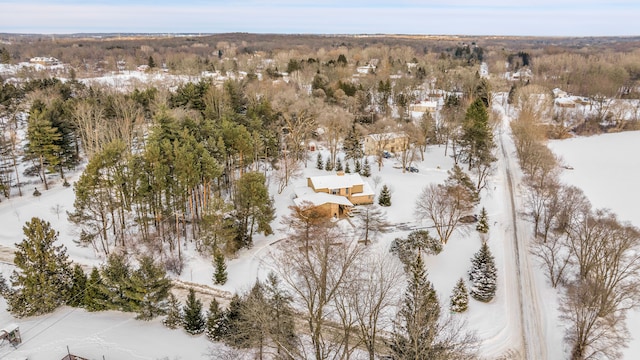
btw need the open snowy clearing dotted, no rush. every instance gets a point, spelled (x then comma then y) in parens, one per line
(606, 168)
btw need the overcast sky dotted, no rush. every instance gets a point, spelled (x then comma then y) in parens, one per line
(455, 17)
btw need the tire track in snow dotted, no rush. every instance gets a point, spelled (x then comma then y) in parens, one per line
(533, 339)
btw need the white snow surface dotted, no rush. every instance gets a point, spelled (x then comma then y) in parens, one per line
(604, 167)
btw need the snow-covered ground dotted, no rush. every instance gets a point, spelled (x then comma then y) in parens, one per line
(113, 334)
(606, 167)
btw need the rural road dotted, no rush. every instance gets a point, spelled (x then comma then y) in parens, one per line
(532, 334)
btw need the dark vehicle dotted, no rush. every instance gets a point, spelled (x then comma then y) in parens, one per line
(412, 169)
(386, 154)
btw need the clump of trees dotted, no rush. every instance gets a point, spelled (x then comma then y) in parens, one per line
(587, 253)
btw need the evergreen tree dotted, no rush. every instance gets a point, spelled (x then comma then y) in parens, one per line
(483, 222)
(339, 165)
(149, 289)
(415, 330)
(174, 313)
(358, 167)
(215, 318)
(385, 196)
(459, 301)
(347, 168)
(220, 274)
(43, 277)
(254, 207)
(151, 62)
(281, 312)
(319, 162)
(366, 168)
(483, 275)
(193, 319)
(229, 325)
(352, 144)
(94, 298)
(43, 140)
(418, 242)
(477, 136)
(457, 177)
(78, 287)
(116, 286)
(328, 165)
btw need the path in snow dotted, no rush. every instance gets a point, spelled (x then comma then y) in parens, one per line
(531, 327)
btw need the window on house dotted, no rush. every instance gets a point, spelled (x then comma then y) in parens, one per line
(335, 191)
(347, 191)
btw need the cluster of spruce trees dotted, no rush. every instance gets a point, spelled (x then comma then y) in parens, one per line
(262, 318)
(46, 279)
(362, 167)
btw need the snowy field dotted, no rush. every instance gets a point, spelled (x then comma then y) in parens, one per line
(607, 167)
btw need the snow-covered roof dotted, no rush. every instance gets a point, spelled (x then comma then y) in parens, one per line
(385, 136)
(336, 181)
(307, 195)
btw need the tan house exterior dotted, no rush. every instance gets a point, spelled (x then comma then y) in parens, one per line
(391, 142)
(334, 195)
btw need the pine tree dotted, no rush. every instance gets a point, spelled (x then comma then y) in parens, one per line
(214, 321)
(329, 164)
(347, 168)
(94, 299)
(358, 167)
(339, 165)
(149, 289)
(352, 144)
(78, 287)
(116, 286)
(319, 162)
(483, 222)
(385, 196)
(174, 313)
(151, 62)
(415, 330)
(483, 275)
(457, 177)
(281, 312)
(459, 301)
(43, 140)
(43, 276)
(220, 274)
(229, 325)
(193, 319)
(366, 168)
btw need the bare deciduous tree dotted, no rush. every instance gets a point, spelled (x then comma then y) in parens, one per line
(315, 276)
(444, 206)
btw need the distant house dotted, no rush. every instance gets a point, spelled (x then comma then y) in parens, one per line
(334, 195)
(375, 144)
(565, 102)
(424, 106)
(367, 69)
(44, 61)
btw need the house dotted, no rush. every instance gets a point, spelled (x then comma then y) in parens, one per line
(424, 106)
(44, 61)
(367, 69)
(375, 144)
(334, 195)
(565, 102)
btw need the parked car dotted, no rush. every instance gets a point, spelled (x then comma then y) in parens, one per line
(412, 169)
(386, 154)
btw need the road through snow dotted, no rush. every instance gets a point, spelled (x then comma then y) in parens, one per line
(533, 344)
